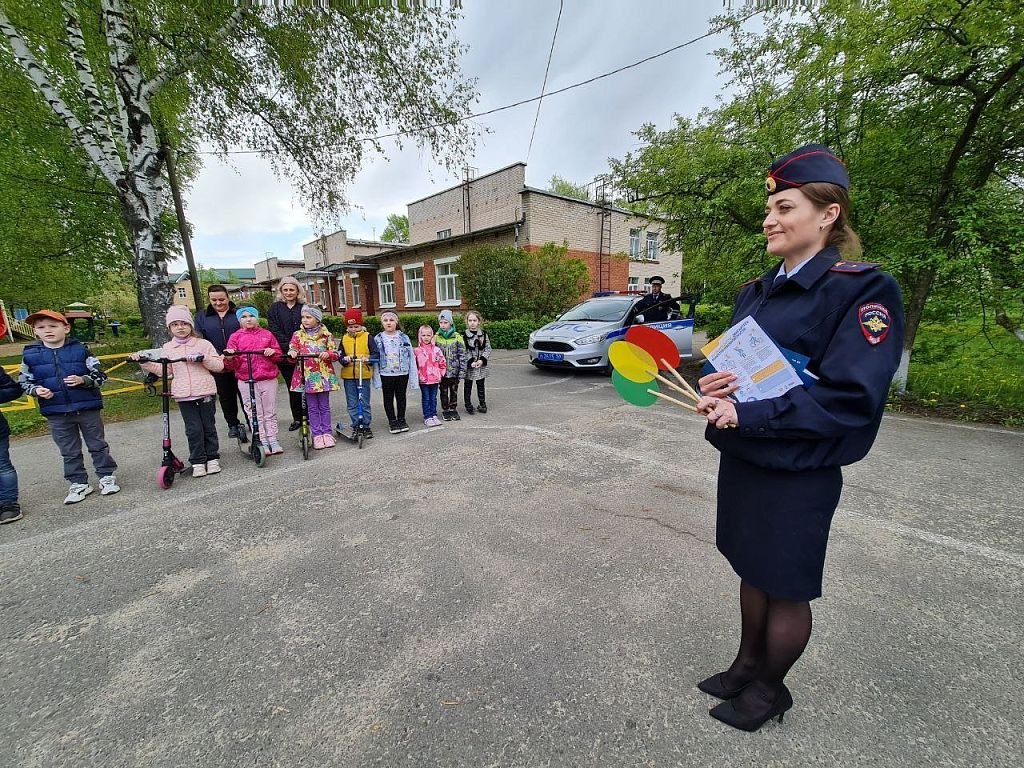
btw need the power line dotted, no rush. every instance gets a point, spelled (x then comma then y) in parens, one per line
(544, 85)
(513, 105)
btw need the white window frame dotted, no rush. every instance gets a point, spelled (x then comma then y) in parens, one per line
(407, 280)
(444, 234)
(633, 283)
(647, 285)
(389, 272)
(651, 253)
(182, 293)
(634, 244)
(357, 298)
(437, 283)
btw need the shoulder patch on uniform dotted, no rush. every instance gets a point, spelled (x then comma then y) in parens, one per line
(875, 321)
(854, 266)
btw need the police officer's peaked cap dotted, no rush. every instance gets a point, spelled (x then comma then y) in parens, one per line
(809, 163)
(657, 279)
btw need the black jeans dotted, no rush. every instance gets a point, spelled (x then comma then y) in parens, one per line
(449, 394)
(228, 395)
(393, 389)
(200, 429)
(294, 398)
(467, 390)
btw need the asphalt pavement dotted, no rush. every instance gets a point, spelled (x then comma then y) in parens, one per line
(537, 586)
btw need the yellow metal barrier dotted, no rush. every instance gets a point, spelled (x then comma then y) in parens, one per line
(27, 403)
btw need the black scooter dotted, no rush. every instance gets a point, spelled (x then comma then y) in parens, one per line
(305, 436)
(254, 449)
(170, 465)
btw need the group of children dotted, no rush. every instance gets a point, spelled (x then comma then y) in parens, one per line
(65, 378)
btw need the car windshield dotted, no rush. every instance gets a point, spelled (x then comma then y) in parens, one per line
(603, 311)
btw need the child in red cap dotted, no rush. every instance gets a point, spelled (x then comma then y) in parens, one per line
(357, 347)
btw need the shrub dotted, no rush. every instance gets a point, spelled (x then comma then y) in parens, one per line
(511, 334)
(713, 319)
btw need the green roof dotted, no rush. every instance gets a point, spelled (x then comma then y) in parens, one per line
(223, 275)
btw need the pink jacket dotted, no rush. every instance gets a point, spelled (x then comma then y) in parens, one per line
(191, 381)
(253, 340)
(430, 363)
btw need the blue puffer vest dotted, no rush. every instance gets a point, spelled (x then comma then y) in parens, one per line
(49, 367)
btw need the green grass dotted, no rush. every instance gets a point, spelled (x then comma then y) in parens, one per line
(966, 371)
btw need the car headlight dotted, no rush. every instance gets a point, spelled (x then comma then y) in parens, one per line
(589, 340)
(532, 335)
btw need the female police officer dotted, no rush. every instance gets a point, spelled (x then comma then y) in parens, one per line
(779, 478)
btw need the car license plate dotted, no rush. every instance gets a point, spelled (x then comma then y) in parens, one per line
(551, 357)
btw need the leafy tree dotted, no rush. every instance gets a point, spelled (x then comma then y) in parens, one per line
(308, 89)
(561, 186)
(506, 282)
(491, 279)
(923, 100)
(397, 230)
(60, 230)
(262, 301)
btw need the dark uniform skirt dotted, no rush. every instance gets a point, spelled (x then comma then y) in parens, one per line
(773, 525)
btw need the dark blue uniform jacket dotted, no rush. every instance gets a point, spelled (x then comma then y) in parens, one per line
(831, 316)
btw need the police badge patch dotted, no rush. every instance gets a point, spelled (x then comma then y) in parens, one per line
(875, 321)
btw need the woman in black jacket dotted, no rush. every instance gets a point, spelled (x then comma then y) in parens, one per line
(284, 318)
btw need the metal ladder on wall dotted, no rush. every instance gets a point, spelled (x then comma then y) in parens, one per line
(604, 254)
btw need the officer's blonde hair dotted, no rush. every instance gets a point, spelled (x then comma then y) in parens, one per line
(842, 236)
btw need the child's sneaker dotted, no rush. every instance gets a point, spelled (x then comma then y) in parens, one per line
(455, 416)
(446, 415)
(77, 492)
(469, 409)
(198, 470)
(318, 442)
(329, 441)
(274, 448)
(393, 427)
(108, 485)
(403, 426)
(213, 466)
(367, 433)
(435, 422)
(10, 512)
(482, 408)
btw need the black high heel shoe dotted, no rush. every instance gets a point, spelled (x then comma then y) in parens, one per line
(726, 712)
(713, 686)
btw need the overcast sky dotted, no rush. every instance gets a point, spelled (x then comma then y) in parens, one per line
(240, 211)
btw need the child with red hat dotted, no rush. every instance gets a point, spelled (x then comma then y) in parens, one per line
(357, 347)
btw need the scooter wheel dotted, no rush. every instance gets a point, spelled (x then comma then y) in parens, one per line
(165, 477)
(259, 454)
(361, 437)
(305, 446)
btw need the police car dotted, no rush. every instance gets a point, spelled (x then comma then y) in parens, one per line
(579, 338)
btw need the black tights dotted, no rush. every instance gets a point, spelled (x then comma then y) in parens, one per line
(773, 635)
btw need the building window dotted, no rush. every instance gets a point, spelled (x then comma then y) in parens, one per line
(386, 281)
(652, 246)
(634, 243)
(444, 234)
(447, 283)
(647, 285)
(182, 293)
(356, 300)
(633, 284)
(413, 286)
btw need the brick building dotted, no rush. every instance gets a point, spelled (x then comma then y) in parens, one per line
(622, 250)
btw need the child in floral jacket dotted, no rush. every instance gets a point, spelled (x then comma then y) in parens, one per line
(320, 380)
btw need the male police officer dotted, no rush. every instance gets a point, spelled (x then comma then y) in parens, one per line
(656, 305)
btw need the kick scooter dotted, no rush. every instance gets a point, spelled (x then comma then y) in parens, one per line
(305, 437)
(358, 433)
(255, 450)
(170, 465)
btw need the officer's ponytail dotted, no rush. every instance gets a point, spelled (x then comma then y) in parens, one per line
(841, 235)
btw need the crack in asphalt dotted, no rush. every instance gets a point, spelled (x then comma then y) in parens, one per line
(663, 524)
